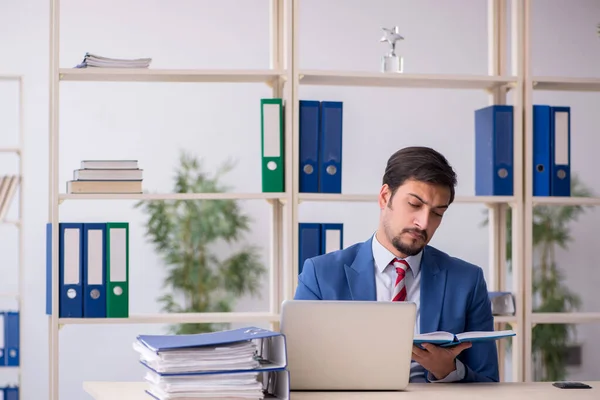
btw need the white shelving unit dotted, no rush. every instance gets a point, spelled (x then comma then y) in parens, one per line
(285, 78)
(533, 83)
(18, 222)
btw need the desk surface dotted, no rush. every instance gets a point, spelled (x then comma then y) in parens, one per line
(424, 391)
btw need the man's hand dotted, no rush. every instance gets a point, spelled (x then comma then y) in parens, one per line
(438, 360)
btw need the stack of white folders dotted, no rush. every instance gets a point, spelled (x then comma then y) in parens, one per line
(246, 363)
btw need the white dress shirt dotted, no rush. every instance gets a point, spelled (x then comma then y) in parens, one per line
(385, 280)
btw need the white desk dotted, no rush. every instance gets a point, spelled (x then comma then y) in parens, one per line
(424, 391)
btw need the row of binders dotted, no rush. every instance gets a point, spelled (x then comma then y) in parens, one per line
(106, 176)
(93, 269)
(245, 363)
(10, 339)
(315, 239)
(320, 137)
(494, 139)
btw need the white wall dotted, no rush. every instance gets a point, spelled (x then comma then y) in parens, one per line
(152, 122)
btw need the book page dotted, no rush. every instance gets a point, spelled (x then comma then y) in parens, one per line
(434, 336)
(466, 336)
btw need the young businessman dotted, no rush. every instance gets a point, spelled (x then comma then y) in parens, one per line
(398, 264)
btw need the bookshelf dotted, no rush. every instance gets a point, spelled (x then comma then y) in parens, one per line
(537, 83)
(7, 202)
(285, 78)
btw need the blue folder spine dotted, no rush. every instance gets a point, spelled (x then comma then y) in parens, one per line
(330, 160)
(94, 270)
(309, 119)
(561, 151)
(541, 150)
(494, 151)
(12, 338)
(309, 242)
(71, 259)
(49, 268)
(332, 237)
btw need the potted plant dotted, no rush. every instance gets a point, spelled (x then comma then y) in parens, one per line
(550, 230)
(186, 232)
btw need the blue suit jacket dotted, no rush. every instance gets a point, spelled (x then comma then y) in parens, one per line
(454, 296)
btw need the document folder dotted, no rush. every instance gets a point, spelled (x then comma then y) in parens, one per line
(330, 147)
(332, 237)
(12, 338)
(494, 151)
(541, 150)
(309, 118)
(117, 297)
(70, 269)
(269, 385)
(561, 155)
(309, 242)
(272, 141)
(94, 270)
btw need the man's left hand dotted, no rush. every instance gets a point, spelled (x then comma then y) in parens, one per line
(439, 361)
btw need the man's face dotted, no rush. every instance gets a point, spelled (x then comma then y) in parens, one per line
(410, 218)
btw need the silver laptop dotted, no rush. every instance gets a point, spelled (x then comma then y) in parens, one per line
(348, 345)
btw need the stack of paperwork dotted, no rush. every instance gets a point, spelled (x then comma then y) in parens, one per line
(246, 363)
(94, 60)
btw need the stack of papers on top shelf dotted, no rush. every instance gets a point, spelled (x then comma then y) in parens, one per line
(246, 363)
(94, 60)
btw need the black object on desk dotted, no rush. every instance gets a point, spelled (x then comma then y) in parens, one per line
(571, 385)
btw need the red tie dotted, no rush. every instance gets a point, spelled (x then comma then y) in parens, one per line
(399, 293)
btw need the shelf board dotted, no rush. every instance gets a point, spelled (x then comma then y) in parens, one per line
(171, 196)
(380, 79)
(177, 318)
(5, 77)
(372, 198)
(167, 75)
(566, 318)
(507, 319)
(10, 150)
(566, 84)
(566, 201)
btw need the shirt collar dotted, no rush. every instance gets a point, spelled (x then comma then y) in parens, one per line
(383, 257)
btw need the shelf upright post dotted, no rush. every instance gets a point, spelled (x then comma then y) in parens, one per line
(524, 9)
(53, 192)
(293, 72)
(521, 167)
(277, 62)
(497, 212)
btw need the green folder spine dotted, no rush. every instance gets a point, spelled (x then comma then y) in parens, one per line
(272, 144)
(117, 273)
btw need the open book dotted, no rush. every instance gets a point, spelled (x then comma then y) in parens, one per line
(449, 339)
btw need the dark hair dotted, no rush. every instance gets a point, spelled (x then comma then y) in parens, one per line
(422, 164)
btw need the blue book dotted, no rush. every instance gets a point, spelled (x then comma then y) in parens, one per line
(447, 339)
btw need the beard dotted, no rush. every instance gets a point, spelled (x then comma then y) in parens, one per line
(408, 246)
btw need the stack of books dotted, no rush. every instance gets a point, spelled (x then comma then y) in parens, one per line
(106, 176)
(93, 60)
(246, 363)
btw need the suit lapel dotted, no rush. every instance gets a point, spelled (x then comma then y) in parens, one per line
(361, 274)
(433, 286)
